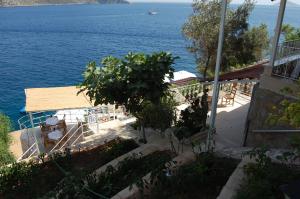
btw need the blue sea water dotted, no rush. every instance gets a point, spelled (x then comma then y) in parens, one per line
(50, 45)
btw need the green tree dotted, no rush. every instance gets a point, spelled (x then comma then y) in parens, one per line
(290, 33)
(5, 127)
(240, 44)
(287, 112)
(159, 116)
(131, 81)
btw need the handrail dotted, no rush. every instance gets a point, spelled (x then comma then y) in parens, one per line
(221, 82)
(62, 138)
(276, 131)
(35, 150)
(81, 126)
(79, 137)
(36, 120)
(22, 156)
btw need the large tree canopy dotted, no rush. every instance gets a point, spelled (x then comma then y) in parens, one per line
(290, 32)
(132, 81)
(241, 44)
(129, 81)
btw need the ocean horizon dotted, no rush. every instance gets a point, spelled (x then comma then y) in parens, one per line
(50, 45)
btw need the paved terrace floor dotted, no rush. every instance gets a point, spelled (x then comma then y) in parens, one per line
(230, 123)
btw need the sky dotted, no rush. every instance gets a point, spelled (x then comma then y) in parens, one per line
(263, 2)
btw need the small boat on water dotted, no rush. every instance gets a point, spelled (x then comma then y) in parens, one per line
(152, 13)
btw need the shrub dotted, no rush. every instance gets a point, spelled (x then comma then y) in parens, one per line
(5, 127)
(203, 178)
(193, 118)
(33, 180)
(264, 177)
(159, 116)
(128, 172)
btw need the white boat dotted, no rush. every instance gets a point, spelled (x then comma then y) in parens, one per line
(152, 13)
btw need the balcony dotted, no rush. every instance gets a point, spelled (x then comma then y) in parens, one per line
(287, 62)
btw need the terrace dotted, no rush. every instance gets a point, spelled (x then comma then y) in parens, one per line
(94, 125)
(138, 162)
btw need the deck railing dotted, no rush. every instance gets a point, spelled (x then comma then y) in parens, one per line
(288, 48)
(185, 93)
(78, 130)
(40, 117)
(287, 61)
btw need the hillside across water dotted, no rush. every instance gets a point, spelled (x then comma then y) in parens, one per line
(8, 3)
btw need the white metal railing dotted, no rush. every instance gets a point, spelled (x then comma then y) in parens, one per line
(40, 117)
(287, 51)
(30, 149)
(70, 130)
(69, 116)
(287, 60)
(73, 134)
(186, 92)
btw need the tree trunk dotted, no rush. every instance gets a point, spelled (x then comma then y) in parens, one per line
(205, 68)
(144, 139)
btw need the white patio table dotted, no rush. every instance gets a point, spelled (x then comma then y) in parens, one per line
(55, 135)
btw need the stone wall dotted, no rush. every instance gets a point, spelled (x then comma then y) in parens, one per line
(262, 103)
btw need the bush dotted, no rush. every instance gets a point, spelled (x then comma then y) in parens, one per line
(5, 127)
(128, 172)
(264, 177)
(33, 180)
(158, 116)
(203, 178)
(193, 118)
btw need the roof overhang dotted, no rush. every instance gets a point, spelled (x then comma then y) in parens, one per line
(55, 98)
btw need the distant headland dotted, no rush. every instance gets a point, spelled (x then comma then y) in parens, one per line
(11, 3)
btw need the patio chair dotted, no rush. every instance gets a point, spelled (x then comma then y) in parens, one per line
(229, 97)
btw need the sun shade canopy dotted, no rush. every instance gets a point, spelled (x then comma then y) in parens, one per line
(55, 98)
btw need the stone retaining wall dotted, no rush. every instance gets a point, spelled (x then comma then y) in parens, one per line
(262, 103)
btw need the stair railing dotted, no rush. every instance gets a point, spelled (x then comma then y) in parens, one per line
(57, 144)
(27, 151)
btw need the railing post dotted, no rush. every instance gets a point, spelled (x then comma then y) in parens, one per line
(114, 111)
(34, 133)
(97, 122)
(81, 128)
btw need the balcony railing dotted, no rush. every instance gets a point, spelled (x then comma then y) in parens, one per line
(287, 49)
(287, 62)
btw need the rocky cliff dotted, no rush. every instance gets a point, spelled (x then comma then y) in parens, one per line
(7, 3)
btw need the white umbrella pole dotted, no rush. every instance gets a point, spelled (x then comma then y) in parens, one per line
(277, 31)
(216, 78)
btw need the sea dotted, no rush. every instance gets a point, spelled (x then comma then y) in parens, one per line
(45, 46)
